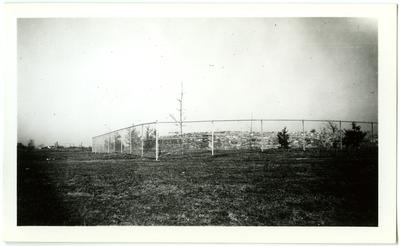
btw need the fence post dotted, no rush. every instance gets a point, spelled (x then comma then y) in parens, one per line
(304, 136)
(115, 144)
(261, 135)
(340, 135)
(212, 138)
(120, 139)
(142, 140)
(130, 140)
(372, 132)
(108, 145)
(156, 140)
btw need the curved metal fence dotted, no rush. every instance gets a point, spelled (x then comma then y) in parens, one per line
(163, 138)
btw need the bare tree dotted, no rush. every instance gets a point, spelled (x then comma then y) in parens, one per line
(149, 138)
(329, 136)
(180, 122)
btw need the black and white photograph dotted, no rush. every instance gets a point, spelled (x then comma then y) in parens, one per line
(198, 121)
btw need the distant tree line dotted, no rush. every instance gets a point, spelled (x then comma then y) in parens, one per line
(31, 146)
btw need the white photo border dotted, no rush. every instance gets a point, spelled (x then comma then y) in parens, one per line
(385, 232)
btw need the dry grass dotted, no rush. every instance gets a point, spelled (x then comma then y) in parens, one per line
(233, 188)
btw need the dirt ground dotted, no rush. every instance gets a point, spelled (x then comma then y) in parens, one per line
(238, 188)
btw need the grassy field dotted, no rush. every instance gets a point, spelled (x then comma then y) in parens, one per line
(274, 187)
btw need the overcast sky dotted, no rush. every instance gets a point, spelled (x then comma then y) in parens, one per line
(82, 77)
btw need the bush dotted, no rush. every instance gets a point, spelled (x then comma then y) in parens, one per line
(353, 137)
(204, 141)
(283, 138)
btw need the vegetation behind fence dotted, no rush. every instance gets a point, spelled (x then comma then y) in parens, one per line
(155, 139)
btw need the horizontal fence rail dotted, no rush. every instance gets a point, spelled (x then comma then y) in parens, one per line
(158, 138)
